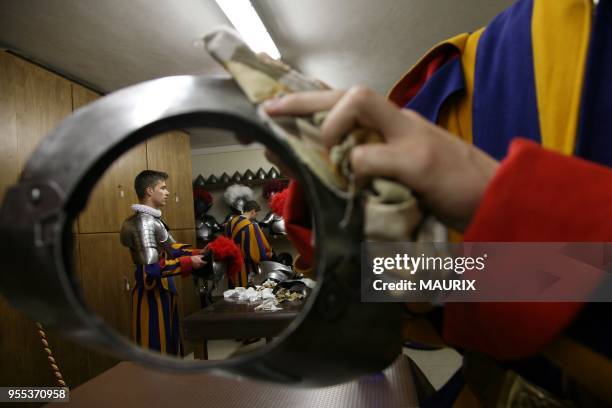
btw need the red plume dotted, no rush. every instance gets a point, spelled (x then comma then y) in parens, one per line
(278, 202)
(200, 194)
(225, 250)
(274, 187)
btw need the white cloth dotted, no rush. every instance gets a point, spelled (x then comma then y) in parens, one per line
(269, 304)
(250, 294)
(146, 209)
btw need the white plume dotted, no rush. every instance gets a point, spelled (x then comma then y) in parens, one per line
(236, 191)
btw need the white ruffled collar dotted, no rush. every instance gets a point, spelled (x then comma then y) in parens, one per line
(147, 210)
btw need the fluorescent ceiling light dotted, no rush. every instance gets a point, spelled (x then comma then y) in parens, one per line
(244, 18)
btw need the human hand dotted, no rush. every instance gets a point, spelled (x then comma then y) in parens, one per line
(449, 175)
(197, 262)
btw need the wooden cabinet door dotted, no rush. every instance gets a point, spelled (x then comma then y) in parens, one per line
(107, 278)
(171, 153)
(82, 96)
(106, 267)
(109, 202)
(32, 102)
(9, 96)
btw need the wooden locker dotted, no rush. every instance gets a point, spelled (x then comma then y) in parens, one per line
(82, 96)
(72, 358)
(43, 101)
(32, 102)
(171, 153)
(107, 279)
(109, 202)
(10, 76)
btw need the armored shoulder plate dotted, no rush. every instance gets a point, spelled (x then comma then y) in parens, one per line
(146, 236)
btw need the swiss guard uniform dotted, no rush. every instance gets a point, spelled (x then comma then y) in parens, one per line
(541, 71)
(252, 242)
(158, 258)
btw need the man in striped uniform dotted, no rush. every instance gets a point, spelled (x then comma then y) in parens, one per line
(251, 240)
(157, 258)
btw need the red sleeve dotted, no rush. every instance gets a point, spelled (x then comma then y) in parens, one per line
(298, 219)
(536, 195)
(186, 265)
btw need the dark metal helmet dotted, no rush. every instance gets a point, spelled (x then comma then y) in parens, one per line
(238, 205)
(275, 224)
(207, 227)
(200, 208)
(285, 258)
(274, 271)
(213, 270)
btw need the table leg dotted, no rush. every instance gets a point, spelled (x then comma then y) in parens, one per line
(200, 351)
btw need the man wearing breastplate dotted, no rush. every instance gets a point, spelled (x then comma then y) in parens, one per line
(157, 257)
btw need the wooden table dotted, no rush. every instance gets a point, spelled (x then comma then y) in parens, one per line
(131, 385)
(230, 319)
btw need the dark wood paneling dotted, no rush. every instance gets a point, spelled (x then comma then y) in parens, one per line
(105, 265)
(170, 152)
(32, 102)
(9, 77)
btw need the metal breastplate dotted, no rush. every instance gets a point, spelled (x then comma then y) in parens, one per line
(146, 236)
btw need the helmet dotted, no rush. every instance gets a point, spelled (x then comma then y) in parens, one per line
(207, 227)
(236, 196)
(275, 224)
(214, 270)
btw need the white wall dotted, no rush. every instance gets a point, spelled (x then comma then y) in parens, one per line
(228, 159)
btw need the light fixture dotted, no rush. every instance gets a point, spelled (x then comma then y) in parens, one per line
(245, 19)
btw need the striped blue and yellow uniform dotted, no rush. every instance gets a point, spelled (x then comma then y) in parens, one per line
(541, 70)
(252, 242)
(155, 303)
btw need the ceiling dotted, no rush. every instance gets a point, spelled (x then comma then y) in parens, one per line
(111, 44)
